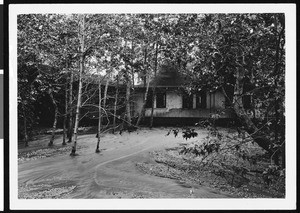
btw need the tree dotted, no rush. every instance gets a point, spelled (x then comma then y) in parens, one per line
(27, 73)
(92, 34)
(240, 54)
(65, 115)
(81, 35)
(100, 117)
(153, 89)
(236, 62)
(115, 104)
(37, 34)
(146, 83)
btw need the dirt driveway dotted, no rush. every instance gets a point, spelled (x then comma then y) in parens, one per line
(109, 174)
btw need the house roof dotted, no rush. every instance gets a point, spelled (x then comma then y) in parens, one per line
(168, 76)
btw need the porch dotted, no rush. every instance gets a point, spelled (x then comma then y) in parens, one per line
(187, 113)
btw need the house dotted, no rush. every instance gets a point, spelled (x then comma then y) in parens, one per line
(172, 103)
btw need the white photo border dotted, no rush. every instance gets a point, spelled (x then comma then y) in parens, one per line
(188, 204)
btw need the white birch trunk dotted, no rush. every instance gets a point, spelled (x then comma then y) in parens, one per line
(81, 70)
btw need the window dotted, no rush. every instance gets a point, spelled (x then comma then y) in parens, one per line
(187, 101)
(201, 100)
(160, 100)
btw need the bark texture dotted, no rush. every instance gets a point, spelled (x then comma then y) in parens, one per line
(99, 119)
(128, 88)
(115, 105)
(55, 119)
(81, 70)
(70, 127)
(240, 111)
(146, 83)
(143, 110)
(153, 90)
(65, 115)
(25, 126)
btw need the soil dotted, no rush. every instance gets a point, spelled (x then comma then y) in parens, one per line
(141, 164)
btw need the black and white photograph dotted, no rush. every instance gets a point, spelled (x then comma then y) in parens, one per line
(151, 106)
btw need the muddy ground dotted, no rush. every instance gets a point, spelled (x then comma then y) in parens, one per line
(141, 164)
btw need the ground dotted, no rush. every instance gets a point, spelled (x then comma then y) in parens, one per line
(141, 164)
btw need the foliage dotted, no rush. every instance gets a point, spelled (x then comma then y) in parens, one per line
(242, 55)
(255, 43)
(42, 153)
(273, 173)
(232, 151)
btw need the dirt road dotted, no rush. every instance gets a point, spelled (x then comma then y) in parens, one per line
(109, 174)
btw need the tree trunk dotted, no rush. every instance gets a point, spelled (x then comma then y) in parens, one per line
(153, 94)
(276, 102)
(70, 128)
(77, 114)
(132, 69)
(25, 126)
(115, 105)
(239, 109)
(55, 119)
(132, 81)
(127, 97)
(128, 87)
(81, 70)
(152, 107)
(66, 113)
(255, 133)
(105, 95)
(282, 141)
(142, 113)
(99, 119)
(283, 156)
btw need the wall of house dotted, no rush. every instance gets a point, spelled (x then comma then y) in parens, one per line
(174, 100)
(219, 100)
(138, 103)
(174, 106)
(215, 100)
